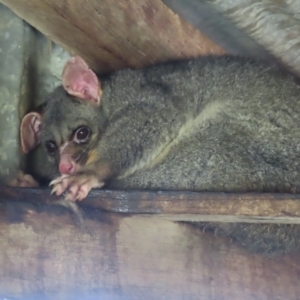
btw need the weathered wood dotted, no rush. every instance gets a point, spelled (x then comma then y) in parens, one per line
(113, 34)
(44, 255)
(180, 206)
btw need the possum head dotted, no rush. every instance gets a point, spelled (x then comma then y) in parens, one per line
(72, 120)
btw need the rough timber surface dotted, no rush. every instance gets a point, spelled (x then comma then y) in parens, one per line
(44, 254)
(113, 34)
(180, 206)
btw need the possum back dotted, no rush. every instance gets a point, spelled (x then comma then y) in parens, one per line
(241, 135)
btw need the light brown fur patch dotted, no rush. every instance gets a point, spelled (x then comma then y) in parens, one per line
(92, 157)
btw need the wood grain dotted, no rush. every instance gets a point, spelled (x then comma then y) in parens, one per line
(179, 206)
(113, 34)
(44, 255)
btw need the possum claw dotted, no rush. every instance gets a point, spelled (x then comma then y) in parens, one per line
(60, 184)
(78, 185)
(55, 190)
(58, 180)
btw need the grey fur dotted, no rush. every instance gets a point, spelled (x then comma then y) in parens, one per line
(211, 124)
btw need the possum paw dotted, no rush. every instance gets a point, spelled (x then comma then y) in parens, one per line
(23, 180)
(78, 186)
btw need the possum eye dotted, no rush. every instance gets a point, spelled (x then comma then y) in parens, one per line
(51, 147)
(81, 135)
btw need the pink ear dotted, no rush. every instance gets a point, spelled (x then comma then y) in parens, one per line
(30, 130)
(80, 81)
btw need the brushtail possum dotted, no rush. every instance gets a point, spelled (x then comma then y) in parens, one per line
(219, 124)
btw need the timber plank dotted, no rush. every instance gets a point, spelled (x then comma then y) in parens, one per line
(113, 34)
(179, 206)
(44, 255)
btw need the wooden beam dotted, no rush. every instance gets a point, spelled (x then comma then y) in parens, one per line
(179, 206)
(113, 34)
(44, 255)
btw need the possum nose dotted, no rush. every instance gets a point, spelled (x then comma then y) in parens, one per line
(66, 168)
